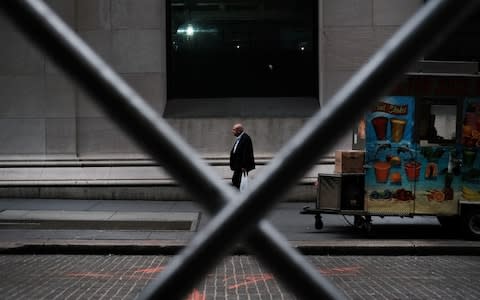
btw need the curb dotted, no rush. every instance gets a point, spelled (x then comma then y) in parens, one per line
(81, 247)
(172, 247)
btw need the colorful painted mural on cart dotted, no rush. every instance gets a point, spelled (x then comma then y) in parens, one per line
(391, 156)
(470, 146)
(405, 176)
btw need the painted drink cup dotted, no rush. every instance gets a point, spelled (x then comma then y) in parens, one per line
(469, 156)
(412, 169)
(398, 128)
(382, 169)
(380, 126)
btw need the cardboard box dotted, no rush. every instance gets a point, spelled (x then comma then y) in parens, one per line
(349, 161)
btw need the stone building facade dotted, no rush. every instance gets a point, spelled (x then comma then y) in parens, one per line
(55, 142)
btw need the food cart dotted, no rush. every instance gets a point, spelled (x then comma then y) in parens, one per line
(421, 156)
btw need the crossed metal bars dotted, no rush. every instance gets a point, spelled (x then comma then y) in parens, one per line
(238, 216)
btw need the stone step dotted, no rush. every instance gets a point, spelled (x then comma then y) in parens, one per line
(98, 220)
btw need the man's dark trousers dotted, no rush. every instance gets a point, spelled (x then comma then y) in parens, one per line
(237, 178)
(242, 158)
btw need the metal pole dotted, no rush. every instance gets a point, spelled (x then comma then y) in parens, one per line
(148, 129)
(424, 30)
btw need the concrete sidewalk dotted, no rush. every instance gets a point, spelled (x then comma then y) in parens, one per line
(99, 220)
(164, 227)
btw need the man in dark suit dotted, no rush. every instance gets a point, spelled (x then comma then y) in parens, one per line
(241, 155)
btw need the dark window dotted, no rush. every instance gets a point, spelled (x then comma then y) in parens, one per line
(437, 120)
(246, 48)
(462, 45)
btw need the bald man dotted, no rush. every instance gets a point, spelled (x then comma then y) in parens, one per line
(241, 155)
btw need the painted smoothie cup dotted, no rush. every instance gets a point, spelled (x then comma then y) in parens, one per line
(412, 169)
(382, 169)
(398, 128)
(469, 156)
(380, 126)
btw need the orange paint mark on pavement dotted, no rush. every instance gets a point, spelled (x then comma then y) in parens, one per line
(150, 270)
(90, 274)
(136, 274)
(197, 295)
(249, 279)
(341, 271)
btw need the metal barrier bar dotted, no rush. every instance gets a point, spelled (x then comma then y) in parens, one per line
(237, 211)
(424, 30)
(158, 139)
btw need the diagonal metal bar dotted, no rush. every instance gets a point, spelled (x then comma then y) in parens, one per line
(424, 30)
(156, 137)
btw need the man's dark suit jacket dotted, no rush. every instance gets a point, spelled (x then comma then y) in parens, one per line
(243, 157)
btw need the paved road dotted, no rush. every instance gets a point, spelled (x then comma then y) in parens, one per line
(238, 277)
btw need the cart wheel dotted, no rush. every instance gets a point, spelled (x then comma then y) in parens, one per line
(368, 224)
(452, 223)
(318, 222)
(358, 222)
(367, 227)
(472, 222)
